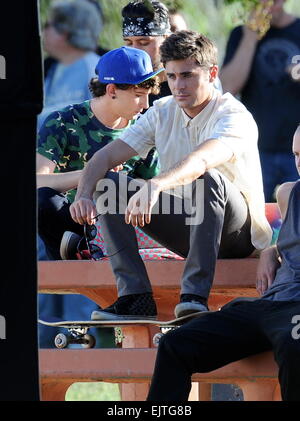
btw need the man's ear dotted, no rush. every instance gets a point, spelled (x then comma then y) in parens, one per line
(111, 90)
(213, 73)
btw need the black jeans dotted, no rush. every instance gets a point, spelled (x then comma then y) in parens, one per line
(224, 232)
(238, 330)
(54, 219)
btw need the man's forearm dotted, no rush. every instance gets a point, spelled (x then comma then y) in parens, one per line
(95, 170)
(208, 155)
(235, 74)
(61, 182)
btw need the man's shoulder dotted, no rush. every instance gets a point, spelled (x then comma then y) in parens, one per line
(84, 68)
(69, 114)
(227, 102)
(91, 58)
(164, 103)
(284, 190)
(162, 108)
(232, 111)
(283, 195)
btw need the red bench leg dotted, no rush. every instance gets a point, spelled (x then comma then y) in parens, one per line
(136, 337)
(54, 391)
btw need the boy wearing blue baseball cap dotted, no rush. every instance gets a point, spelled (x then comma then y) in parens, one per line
(69, 138)
(125, 65)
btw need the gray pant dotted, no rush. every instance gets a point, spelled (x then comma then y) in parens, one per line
(224, 231)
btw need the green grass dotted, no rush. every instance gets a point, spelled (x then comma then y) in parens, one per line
(93, 391)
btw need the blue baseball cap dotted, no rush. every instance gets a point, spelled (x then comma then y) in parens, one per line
(125, 65)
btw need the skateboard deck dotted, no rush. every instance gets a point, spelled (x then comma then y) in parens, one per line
(121, 322)
(78, 329)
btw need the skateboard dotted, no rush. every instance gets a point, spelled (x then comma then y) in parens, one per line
(78, 329)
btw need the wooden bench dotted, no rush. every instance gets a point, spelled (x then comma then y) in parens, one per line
(233, 277)
(255, 375)
(132, 365)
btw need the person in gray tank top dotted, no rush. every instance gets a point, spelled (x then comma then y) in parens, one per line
(244, 327)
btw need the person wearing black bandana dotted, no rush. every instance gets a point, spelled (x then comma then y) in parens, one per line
(145, 26)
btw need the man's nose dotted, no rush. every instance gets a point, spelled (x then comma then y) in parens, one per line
(145, 102)
(179, 83)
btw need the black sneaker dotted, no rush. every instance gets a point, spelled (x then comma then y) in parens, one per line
(190, 303)
(68, 245)
(129, 307)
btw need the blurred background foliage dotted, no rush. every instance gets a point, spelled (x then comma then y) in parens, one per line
(211, 17)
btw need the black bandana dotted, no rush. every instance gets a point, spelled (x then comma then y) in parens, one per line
(134, 27)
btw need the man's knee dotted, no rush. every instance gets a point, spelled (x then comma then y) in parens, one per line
(179, 343)
(213, 179)
(50, 201)
(170, 345)
(44, 195)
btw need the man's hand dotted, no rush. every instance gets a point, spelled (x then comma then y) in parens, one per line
(267, 267)
(140, 205)
(259, 20)
(118, 168)
(83, 211)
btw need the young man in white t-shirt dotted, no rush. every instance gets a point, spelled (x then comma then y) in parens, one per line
(207, 142)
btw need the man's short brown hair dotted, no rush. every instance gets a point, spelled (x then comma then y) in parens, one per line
(99, 89)
(189, 44)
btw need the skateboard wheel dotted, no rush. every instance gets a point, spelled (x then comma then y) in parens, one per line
(89, 341)
(61, 341)
(156, 338)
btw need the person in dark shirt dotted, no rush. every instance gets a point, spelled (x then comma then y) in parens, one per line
(245, 326)
(262, 72)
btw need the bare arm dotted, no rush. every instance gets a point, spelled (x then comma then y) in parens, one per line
(234, 74)
(46, 177)
(208, 155)
(83, 209)
(269, 260)
(283, 194)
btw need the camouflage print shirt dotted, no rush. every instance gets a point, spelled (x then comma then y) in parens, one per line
(70, 137)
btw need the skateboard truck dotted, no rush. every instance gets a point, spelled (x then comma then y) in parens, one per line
(77, 335)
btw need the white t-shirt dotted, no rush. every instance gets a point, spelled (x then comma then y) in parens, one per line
(166, 126)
